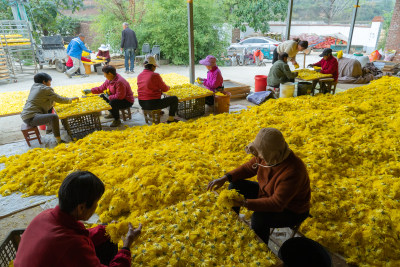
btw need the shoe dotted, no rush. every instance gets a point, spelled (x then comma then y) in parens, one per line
(109, 116)
(69, 76)
(84, 76)
(175, 120)
(115, 123)
(131, 71)
(127, 71)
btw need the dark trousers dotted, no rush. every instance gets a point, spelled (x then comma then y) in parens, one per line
(275, 56)
(261, 222)
(116, 105)
(129, 56)
(170, 101)
(210, 100)
(48, 119)
(106, 252)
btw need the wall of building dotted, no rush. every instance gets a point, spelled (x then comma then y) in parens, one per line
(393, 38)
(366, 36)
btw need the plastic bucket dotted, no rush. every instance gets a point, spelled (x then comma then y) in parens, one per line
(260, 83)
(304, 88)
(42, 127)
(286, 90)
(222, 103)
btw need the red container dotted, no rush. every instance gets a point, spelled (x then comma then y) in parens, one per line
(260, 83)
(42, 127)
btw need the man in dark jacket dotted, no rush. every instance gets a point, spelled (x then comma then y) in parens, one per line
(280, 72)
(128, 45)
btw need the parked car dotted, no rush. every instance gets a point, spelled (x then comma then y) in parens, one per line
(265, 44)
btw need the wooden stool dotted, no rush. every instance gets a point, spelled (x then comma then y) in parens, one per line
(30, 133)
(327, 85)
(126, 114)
(152, 115)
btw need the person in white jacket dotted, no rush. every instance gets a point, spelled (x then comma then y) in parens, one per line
(291, 47)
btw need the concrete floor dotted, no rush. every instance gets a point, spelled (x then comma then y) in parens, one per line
(12, 142)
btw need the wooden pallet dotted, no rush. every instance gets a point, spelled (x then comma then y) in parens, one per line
(237, 90)
(118, 63)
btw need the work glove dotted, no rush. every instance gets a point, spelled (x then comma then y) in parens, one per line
(87, 91)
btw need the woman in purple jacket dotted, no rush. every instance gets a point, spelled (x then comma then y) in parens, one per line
(214, 81)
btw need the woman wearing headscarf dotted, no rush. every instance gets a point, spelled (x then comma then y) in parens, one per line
(281, 197)
(291, 47)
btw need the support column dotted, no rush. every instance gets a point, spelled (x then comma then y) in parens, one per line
(289, 19)
(353, 23)
(191, 40)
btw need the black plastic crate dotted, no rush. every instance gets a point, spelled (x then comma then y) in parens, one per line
(192, 108)
(79, 126)
(8, 248)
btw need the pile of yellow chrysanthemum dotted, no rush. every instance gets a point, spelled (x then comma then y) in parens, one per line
(83, 106)
(13, 102)
(195, 232)
(188, 91)
(306, 74)
(349, 143)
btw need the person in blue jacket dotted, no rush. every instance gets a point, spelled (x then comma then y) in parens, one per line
(74, 50)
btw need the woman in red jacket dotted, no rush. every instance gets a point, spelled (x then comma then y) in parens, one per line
(150, 88)
(281, 197)
(116, 91)
(56, 237)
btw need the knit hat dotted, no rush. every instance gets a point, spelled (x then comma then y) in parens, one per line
(209, 61)
(271, 145)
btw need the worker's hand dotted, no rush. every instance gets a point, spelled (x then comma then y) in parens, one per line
(75, 98)
(122, 49)
(310, 66)
(217, 183)
(237, 203)
(132, 235)
(295, 63)
(87, 91)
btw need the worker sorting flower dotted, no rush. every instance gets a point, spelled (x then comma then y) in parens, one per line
(328, 64)
(116, 91)
(214, 81)
(56, 237)
(38, 109)
(104, 53)
(280, 72)
(291, 47)
(150, 89)
(281, 197)
(70, 64)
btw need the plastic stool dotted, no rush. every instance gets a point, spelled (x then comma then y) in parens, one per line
(126, 114)
(153, 116)
(30, 133)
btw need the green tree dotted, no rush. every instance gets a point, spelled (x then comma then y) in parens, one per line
(256, 13)
(164, 22)
(46, 16)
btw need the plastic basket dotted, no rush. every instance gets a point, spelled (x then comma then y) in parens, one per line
(79, 126)
(192, 108)
(8, 248)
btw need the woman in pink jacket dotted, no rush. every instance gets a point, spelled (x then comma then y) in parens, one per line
(116, 91)
(214, 81)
